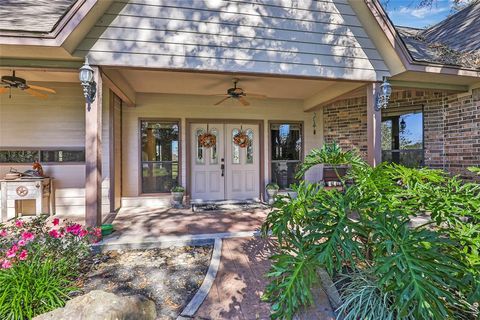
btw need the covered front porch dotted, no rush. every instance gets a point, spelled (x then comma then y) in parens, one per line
(142, 134)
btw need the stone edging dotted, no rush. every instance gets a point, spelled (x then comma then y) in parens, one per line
(197, 300)
(330, 290)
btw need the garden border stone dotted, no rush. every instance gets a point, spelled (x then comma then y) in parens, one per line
(202, 292)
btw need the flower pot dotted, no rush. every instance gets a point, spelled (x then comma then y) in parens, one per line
(329, 173)
(177, 199)
(272, 193)
(106, 229)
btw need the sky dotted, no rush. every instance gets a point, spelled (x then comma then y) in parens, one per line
(407, 13)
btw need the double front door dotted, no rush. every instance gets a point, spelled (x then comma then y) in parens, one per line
(224, 170)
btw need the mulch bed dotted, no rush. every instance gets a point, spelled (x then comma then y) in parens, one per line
(170, 277)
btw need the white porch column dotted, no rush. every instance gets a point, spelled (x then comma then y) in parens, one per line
(93, 156)
(374, 132)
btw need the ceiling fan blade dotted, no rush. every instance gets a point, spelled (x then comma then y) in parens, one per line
(216, 104)
(243, 101)
(36, 93)
(41, 88)
(257, 96)
(218, 95)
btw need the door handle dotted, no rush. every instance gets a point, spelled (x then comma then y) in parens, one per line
(223, 169)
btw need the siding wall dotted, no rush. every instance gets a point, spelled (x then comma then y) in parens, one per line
(321, 38)
(57, 122)
(200, 107)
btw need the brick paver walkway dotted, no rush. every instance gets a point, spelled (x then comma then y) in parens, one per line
(137, 224)
(240, 283)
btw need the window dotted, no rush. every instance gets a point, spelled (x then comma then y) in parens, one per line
(235, 148)
(44, 155)
(402, 137)
(286, 152)
(249, 133)
(213, 149)
(159, 147)
(200, 158)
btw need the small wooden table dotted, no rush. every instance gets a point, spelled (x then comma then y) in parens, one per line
(27, 189)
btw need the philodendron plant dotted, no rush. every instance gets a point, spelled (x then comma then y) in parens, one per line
(331, 155)
(394, 270)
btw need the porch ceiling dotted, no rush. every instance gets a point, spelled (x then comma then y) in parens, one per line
(210, 84)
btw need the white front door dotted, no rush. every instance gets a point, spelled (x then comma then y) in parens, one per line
(242, 164)
(225, 171)
(208, 178)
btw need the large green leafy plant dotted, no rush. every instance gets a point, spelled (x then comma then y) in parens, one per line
(425, 271)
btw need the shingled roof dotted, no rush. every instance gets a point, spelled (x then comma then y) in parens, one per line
(453, 41)
(32, 15)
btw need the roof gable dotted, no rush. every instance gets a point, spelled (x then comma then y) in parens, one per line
(317, 39)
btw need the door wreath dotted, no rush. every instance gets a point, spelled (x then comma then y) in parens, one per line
(241, 139)
(207, 140)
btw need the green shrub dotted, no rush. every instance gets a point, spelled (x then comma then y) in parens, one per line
(178, 189)
(39, 265)
(363, 298)
(431, 271)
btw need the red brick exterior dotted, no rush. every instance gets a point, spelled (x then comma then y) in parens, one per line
(345, 122)
(451, 126)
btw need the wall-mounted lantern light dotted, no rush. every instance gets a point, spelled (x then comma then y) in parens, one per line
(89, 85)
(383, 96)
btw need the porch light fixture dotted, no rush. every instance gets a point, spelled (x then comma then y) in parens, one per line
(89, 85)
(383, 96)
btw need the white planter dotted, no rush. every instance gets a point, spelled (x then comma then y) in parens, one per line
(272, 193)
(177, 199)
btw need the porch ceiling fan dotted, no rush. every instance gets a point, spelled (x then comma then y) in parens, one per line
(238, 94)
(9, 82)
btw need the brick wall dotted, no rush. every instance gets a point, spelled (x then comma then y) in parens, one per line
(346, 123)
(451, 126)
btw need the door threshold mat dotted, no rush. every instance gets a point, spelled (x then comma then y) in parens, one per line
(228, 206)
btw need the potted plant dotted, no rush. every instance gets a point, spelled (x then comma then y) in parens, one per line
(335, 161)
(177, 195)
(272, 190)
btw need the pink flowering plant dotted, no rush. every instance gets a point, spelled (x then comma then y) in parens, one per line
(39, 263)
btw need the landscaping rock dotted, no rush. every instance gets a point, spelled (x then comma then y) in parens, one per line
(101, 305)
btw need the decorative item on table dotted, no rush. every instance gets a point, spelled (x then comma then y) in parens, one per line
(38, 168)
(35, 173)
(207, 140)
(12, 174)
(241, 139)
